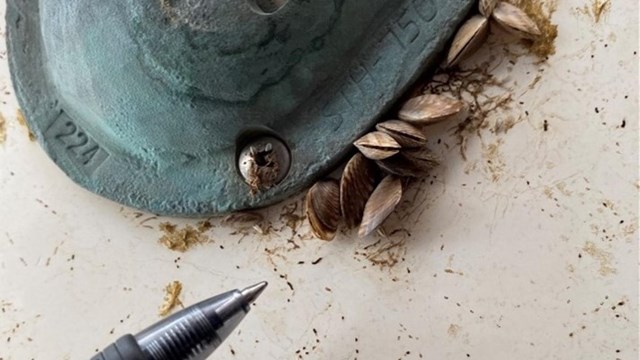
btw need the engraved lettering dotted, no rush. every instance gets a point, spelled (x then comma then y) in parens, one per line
(83, 141)
(79, 147)
(70, 129)
(391, 45)
(363, 79)
(407, 31)
(357, 73)
(332, 112)
(362, 85)
(89, 154)
(426, 9)
(352, 92)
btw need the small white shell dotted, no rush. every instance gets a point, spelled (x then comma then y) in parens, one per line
(468, 39)
(515, 21)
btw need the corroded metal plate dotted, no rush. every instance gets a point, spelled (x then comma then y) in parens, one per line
(145, 101)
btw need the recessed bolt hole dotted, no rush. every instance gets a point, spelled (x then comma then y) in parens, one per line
(263, 157)
(267, 6)
(264, 163)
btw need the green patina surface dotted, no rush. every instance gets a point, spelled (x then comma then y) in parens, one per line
(144, 102)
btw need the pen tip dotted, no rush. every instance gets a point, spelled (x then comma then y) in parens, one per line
(251, 293)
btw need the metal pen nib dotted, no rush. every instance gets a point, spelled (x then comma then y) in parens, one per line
(251, 293)
(192, 333)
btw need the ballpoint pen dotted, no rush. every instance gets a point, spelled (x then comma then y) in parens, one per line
(192, 333)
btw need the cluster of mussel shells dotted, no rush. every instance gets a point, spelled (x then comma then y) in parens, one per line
(373, 181)
(474, 32)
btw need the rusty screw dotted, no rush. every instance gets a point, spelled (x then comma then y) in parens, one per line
(264, 162)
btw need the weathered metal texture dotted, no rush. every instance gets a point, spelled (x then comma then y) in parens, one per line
(146, 102)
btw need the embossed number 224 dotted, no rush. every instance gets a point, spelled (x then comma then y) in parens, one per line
(77, 142)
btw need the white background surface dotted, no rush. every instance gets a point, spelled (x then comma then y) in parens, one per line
(527, 249)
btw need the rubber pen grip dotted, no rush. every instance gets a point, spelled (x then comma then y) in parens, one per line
(125, 348)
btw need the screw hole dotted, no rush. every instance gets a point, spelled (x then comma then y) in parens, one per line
(263, 161)
(262, 157)
(266, 7)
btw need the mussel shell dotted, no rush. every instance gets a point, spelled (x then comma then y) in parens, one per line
(429, 109)
(377, 145)
(486, 7)
(358, 181)
(381, 204)
(468, 39)
(323, 208)
(515, 21)
(407, 135)
(414, 164)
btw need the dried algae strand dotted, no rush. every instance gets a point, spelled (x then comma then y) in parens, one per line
(182, 239)
(292, 216)
(599, 8)
(482, 91)
(171, 298)
(385, 253)
(204, 226)
(3, 130)
(596, 10)
(23, 121)
(243, 217)
(247, 223)
(540, 12)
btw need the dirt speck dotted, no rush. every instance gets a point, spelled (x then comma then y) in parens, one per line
(171, 298)
(454, 330)
(182, 239)
(570, 268)
(205, 225)
(535, 82)
(503, 126)
(23, 121)
(608, 204)
(605, 258)
(451, 271)
(3, 130)
(494, 164)
(629, 230)
(562, 187)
